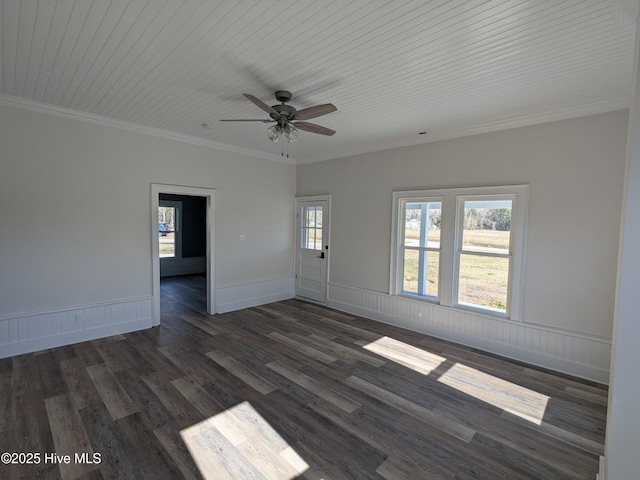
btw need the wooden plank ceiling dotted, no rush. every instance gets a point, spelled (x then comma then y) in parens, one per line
(393, 68)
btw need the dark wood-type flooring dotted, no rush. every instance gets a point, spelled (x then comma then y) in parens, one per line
(291, 390)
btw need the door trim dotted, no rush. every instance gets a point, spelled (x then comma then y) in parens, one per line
(210, 195)
(312, 198)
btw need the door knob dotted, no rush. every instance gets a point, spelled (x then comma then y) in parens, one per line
(320, 255)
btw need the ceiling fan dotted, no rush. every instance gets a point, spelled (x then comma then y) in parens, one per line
(287, 119)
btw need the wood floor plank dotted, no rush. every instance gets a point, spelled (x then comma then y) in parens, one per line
(350, 330)
(519, 462)
(206, 326)
(325, 443)
(573, 439)
(597, 396)
(189, 362)
(6, 365)
(204, 438)
(7, 403)
(567, 460)
(507, 396)
(79, 384)
(145, 450)
(404, 354)
(446, 425)
(301, 347)
(25, 376)
(261, 445)
(177, 450)
(183, 412)
(344, 352)
(153, 412)
(69, 436)
(197, 396)
(331, 396)
(30, 433)
(245, 374)
(372, 435)
(115, 398)
(395, 469)
(50, 377)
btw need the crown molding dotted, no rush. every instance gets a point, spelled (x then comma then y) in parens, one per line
(436, 135)
(46, 108)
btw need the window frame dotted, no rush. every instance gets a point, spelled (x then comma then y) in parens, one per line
(402, 245)
(451, 232)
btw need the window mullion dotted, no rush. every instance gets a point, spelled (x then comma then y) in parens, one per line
(447, 250)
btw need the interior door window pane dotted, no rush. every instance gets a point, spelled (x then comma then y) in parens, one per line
(311, 235)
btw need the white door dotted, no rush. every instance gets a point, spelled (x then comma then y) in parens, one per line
(312, 247)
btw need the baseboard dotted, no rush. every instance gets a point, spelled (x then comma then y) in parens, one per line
(566, 352)
(600, 475)
(39, 331)
(182, 266)
(251, 294)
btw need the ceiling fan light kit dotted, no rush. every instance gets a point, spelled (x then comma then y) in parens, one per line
(287, 118)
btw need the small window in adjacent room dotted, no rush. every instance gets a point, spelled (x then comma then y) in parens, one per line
(169, 231)
(461, 247)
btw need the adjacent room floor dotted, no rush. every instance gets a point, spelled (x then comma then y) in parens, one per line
(290, 390)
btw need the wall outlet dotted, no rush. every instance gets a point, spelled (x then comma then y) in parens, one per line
(242, 237)
(78, 317)
(417, 314)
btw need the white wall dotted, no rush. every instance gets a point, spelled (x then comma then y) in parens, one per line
(575, 172)
(75, 197)
(623, 421)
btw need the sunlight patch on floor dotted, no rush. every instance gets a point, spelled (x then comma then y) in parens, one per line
(415, 358)
(238, 444)
(510, 397)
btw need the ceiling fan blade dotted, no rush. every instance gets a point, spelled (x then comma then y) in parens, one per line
(247, 120)
(260, 104)
(313, 128)
(313, 112)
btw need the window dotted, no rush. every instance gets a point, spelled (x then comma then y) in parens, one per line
(421, 247)
(461, 247)
(311, 226)
(169, 231)
(483, 252)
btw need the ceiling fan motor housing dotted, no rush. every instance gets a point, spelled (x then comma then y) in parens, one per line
(285, 114)
(283, 96)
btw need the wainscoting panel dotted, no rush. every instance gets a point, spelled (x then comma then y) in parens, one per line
(244, 295)
(569, 352)
(32, 332)
(182, 266)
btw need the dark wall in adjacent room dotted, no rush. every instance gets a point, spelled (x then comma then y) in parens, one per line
(194, 235)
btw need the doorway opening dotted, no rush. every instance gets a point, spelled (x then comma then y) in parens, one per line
(183, 242)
